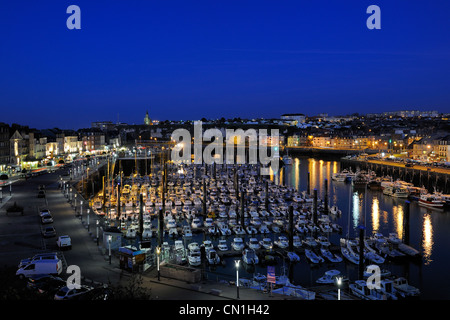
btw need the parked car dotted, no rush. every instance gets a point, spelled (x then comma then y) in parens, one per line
(64, 242)
(49, 232)
(46, 218)
(66, 293)
(99, 293)
(44, 283)
(44, 211)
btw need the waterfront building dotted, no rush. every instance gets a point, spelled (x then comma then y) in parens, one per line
(294, 118)
(4, 146)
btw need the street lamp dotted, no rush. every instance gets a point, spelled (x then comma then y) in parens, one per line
(97, 222)
(236, 262)
(158, 251)
(338, 283)
(109, 247)
(88, 210)
(81, 210)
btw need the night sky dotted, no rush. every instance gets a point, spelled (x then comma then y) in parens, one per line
(188, 59)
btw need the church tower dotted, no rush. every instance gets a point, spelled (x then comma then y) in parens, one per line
(147, 120)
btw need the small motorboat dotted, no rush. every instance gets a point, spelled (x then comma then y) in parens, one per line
(293, 257)
(331, 276)
(313, 257)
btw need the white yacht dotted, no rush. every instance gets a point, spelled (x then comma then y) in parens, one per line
(266, 243)
(253, 243)
(249, 256)
(360, 289)
(194, 258)
(330, 277)
(222, 246)
(237, 244)
(212, 257)
(281, 242)
(313, 257)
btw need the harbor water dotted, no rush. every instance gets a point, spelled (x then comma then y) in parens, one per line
(428, 229)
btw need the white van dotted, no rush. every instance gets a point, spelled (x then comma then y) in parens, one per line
(38, 257)
(52, 267)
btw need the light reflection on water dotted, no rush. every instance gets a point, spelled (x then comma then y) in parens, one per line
(375, 214)
(427, 242)
(381, 213)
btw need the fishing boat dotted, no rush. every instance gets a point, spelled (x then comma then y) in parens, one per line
(361, 290)
(431, 201)
(360, 180)
(404, 289)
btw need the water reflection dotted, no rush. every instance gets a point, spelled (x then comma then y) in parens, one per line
(375, 214)
(427, 241)
(357, 205)
(297, 172)
(398, 220)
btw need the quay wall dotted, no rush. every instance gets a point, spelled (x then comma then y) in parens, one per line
(331, 152)
(430, 178)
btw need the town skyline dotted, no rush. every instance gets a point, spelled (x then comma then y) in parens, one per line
(188, 61)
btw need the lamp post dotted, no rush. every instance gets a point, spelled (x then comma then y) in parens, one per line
(338, 283)
(109, 247)
(236, 262)
(96, 223)
(88, 210)
(158, 252)
(1, 194)
(81, 210)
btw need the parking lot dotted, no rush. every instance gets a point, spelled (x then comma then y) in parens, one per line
(21, 235)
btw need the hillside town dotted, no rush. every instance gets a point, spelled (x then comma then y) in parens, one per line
(417, 135)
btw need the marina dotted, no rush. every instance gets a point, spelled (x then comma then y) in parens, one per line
(257, 220)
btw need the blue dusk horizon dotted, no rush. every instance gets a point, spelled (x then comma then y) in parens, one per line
(185, 60)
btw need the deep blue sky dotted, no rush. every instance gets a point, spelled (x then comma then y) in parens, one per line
(190, 59)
